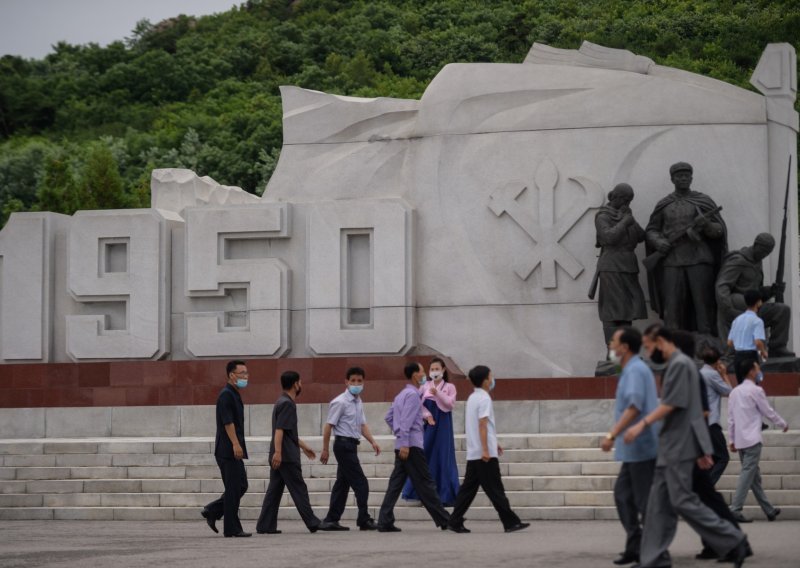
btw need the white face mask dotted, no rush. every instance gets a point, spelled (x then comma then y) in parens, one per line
(436, 375)
(613, 357)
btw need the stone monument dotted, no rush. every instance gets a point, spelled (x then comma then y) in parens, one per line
(460, 223)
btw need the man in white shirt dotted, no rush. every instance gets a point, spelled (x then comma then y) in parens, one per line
(483, 467)
(746, 405)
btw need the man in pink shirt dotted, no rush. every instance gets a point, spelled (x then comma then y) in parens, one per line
(747, 403)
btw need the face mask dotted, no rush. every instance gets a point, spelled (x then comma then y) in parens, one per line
(241, 383)
(491, 385)
(613, 357)
(299, 390)
(657, 356)
(355, 390)
(423, 380)
(759, 378)
(436, 375)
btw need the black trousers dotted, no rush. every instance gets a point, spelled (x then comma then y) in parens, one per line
(710, 497)
(738, 357)
(485, 475)
(721, 455)
(289, 475)
(415, 467)
(348, 474)
(234, 478)
(689, 286)
(631, 491)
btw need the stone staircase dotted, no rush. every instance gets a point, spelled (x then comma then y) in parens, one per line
(547, 476)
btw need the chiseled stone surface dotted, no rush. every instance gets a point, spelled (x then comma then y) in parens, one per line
(145, 421)
(78, 422)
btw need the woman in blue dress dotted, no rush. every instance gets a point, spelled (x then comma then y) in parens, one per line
(438, 398)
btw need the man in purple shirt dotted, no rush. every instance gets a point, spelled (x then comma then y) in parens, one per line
(405, 420)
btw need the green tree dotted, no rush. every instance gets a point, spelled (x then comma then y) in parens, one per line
(101, 184)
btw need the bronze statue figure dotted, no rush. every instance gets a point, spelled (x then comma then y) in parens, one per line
(686, 240)
(621, 299)
(742, 271)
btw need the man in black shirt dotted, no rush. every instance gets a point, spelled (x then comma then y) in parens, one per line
(230, 451)
(284, 461)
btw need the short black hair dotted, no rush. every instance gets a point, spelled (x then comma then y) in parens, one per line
(752, 297)
(665, 333)
(231, 366)
(445, 372)
(631, 337)
(479, 374)
(410, 369)
(746, 365)
(684, 341)
(710, 355)
(651, 330)
(288, 379)
(355, 371)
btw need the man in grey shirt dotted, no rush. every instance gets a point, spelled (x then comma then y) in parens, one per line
(683, 440)
(713, 372)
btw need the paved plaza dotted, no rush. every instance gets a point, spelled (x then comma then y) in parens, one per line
(578, 544)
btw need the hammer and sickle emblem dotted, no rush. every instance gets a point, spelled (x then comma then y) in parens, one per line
(546, 232)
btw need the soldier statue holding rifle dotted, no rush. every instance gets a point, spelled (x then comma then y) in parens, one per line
(686, 240)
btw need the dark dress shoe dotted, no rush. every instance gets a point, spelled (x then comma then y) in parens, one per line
(741, 518)
(707, 554)
(626, 559)
(461, 529)
(738, 554)
(518, 527)
(276, 531)
(368, 526)
(212, 522)
(332, 526)
(775, 512)
(240, 534)
(388, 528)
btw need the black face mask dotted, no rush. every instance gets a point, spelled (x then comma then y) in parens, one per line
(657, 356)
(299, 390)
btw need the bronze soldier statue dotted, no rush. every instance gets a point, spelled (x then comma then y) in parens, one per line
(686, 240)
(621, 298)
(741, 271)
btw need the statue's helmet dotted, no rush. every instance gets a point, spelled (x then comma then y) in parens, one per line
(680, 167)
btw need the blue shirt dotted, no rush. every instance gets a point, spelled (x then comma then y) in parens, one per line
(346, 415)
(745, 329)
(405, 418)
(716, 388)
(636, 387)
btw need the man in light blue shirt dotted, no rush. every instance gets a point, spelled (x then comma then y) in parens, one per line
(636, 397)
(713, 372)
(747, 336)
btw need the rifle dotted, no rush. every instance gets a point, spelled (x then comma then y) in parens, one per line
(654, 258)
(593, 286)
(782, 250)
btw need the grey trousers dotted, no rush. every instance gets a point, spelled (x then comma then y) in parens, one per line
(630, 495)
(750, 478)
(671, 495)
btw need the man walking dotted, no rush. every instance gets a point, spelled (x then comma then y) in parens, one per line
(348, 422)
(747, 336)
(715, 377)
(230, 451)
(483, 467)
(284, 461)
(683, 440)
(747, 404)
(636, 397)
(405, 420)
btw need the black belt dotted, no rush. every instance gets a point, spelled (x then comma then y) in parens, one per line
(347, 439)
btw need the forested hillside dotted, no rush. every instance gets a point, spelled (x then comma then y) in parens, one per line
(83, 128)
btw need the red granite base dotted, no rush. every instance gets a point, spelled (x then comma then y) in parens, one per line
(165, 383)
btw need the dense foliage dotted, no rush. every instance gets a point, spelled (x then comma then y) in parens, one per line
(82, 128)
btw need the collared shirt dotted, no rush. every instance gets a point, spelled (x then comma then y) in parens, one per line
(284, 417)
(479, 405)
(746, 405)
(230, 410)
(716, 388)
(346, 415)
(405, 418)
(637, 388)
(745, 329)
(684, 435)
